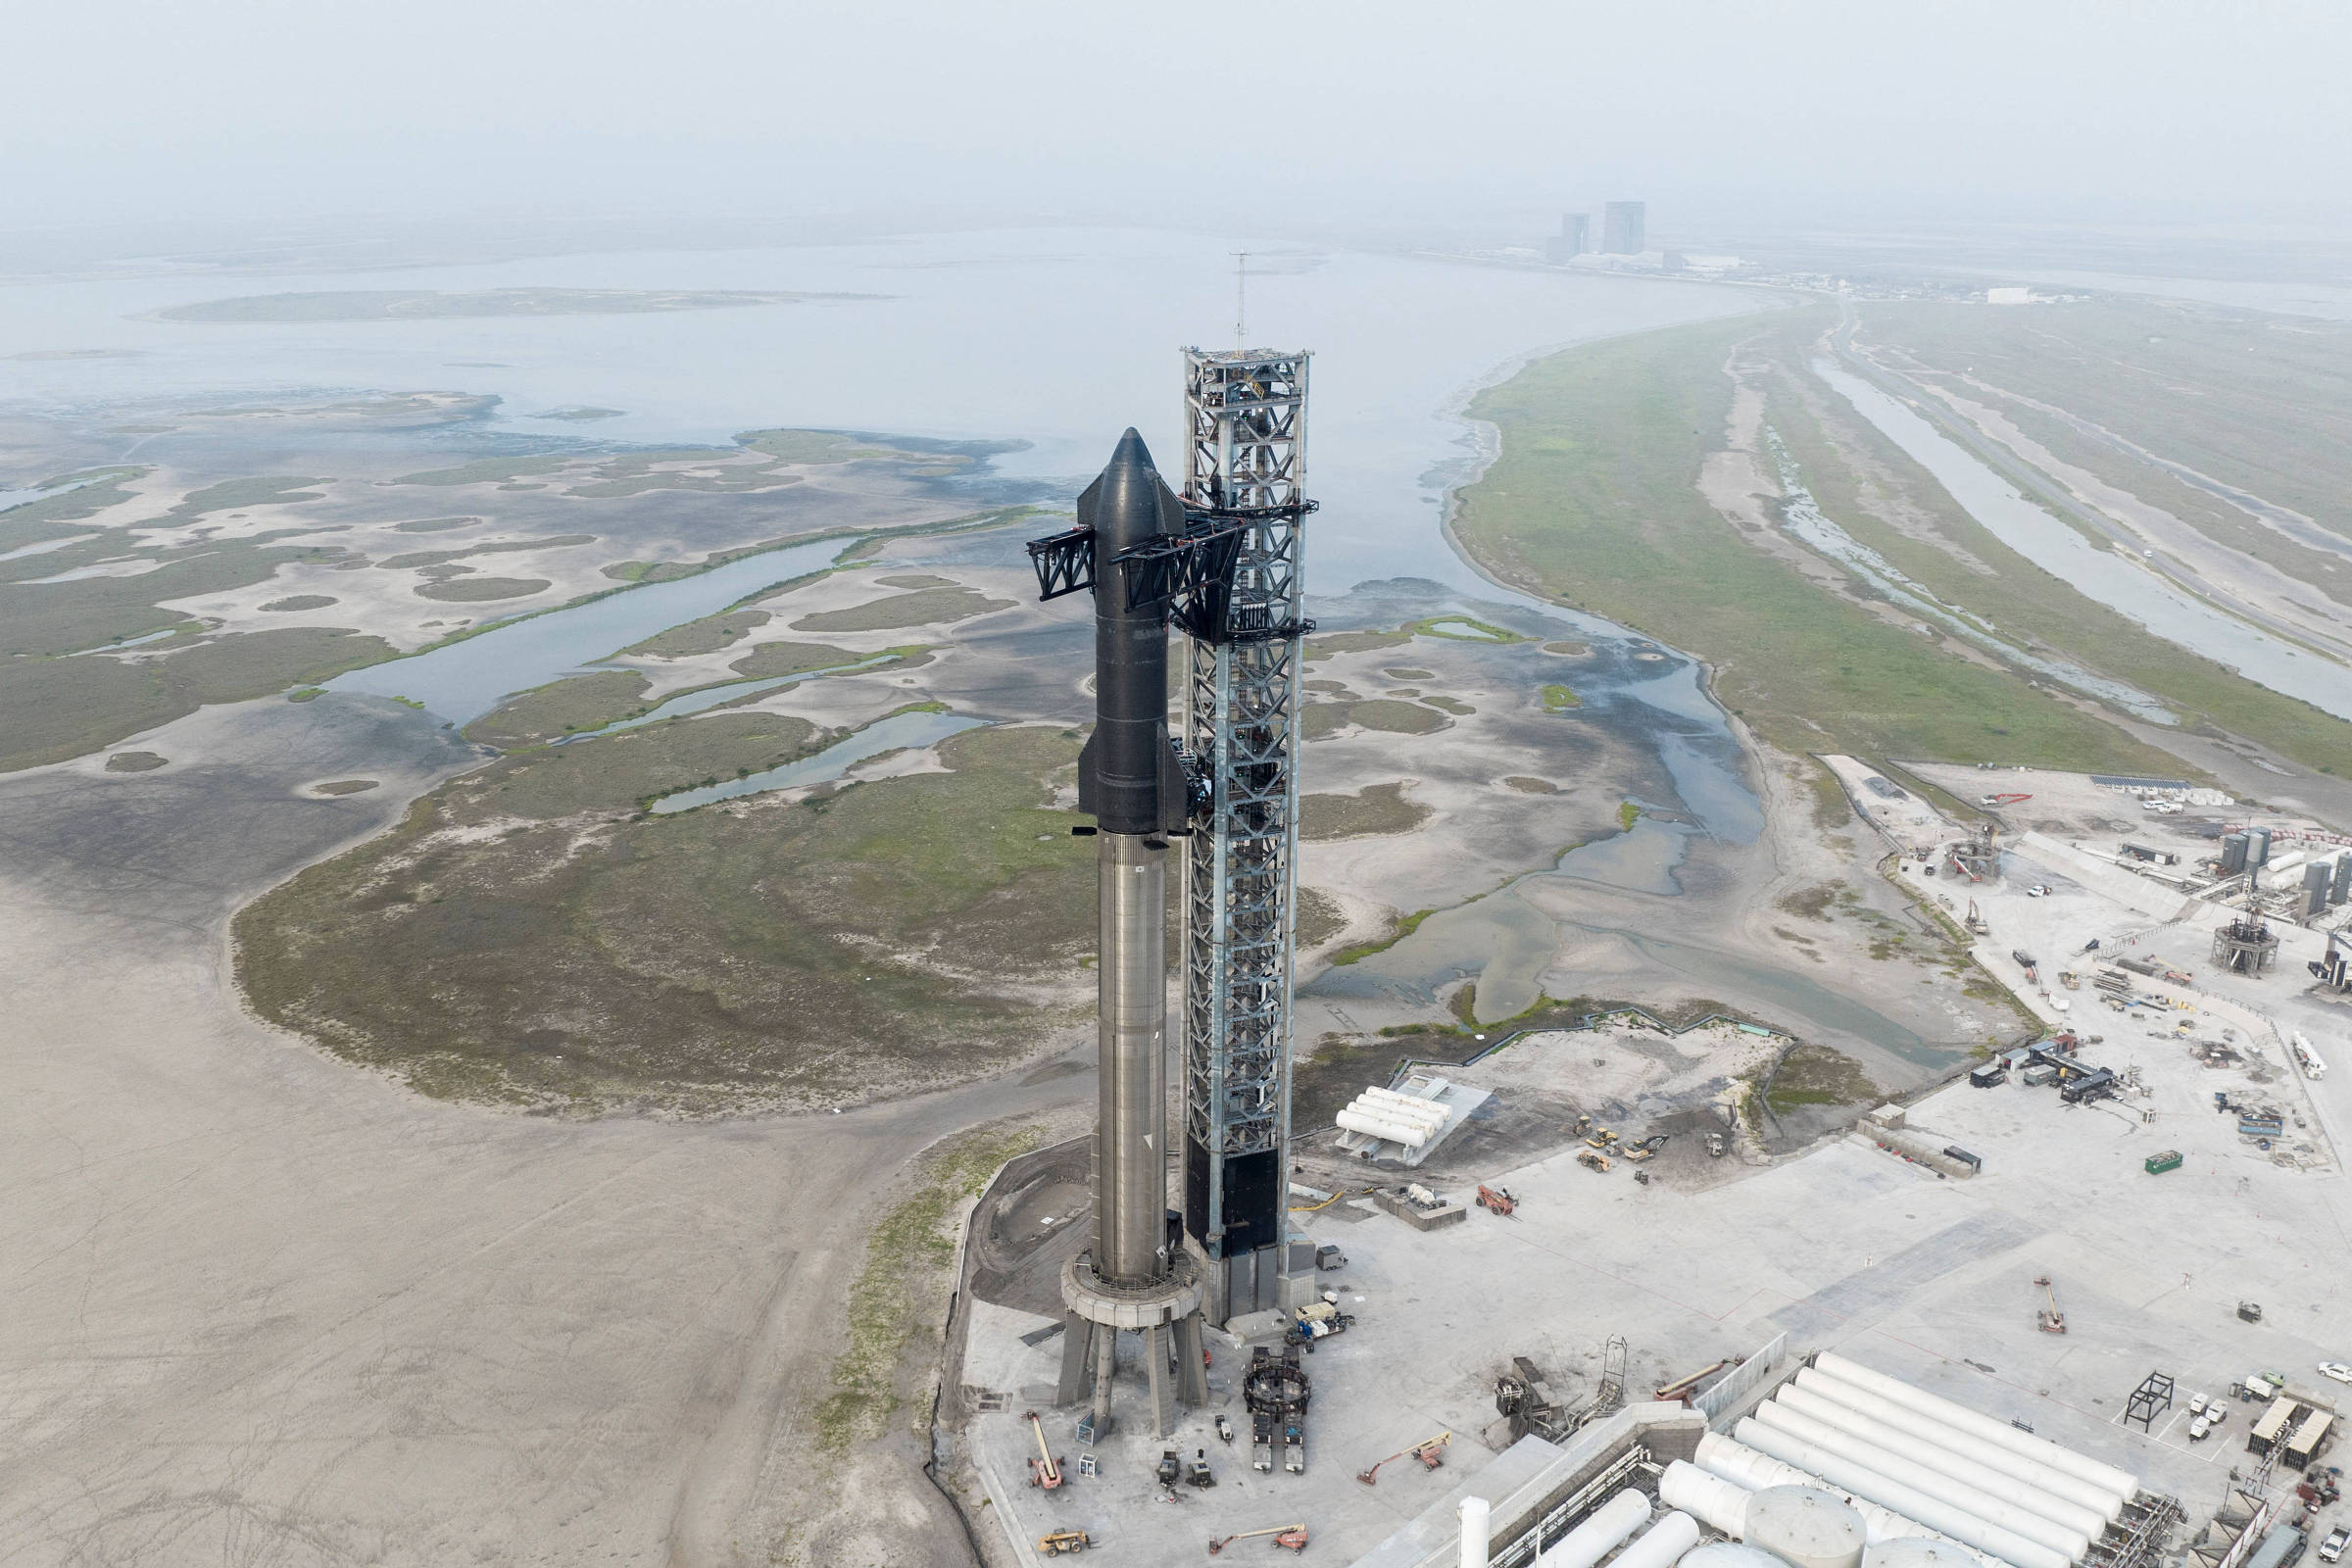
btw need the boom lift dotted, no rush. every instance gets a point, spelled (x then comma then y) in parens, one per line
(1430, 1453)
(2050, 1319)
(1044, 1470)
(1291, 1537)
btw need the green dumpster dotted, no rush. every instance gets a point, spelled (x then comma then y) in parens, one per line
(2158, 1165)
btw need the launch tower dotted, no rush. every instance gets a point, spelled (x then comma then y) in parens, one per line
(1245, 470)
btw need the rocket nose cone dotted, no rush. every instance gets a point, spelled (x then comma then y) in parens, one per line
(1131, 452)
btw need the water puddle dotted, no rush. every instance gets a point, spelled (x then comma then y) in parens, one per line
(897, 732)
(130, 642)
(1641, 860)
(1507, 941)
(461, 681)
(2109, 577)
(710, 697)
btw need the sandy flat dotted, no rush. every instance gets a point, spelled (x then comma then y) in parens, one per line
(263, 1308)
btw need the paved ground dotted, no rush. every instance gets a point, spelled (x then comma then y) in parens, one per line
(1925, 1278)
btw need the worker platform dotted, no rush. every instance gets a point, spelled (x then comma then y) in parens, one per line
(1408, 1123)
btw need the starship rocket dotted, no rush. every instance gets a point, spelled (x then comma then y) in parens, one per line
(1129, 779)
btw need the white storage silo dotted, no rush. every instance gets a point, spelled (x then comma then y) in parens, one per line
(1919, 1551)
(1805, 1528)
(1729, 1554)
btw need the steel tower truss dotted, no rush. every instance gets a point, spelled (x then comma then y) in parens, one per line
(1246, 423)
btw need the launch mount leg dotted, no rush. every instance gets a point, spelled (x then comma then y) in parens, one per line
(1077, 1360)
(1192, 1369)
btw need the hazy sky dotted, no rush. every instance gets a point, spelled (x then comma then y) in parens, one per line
(2040, 108)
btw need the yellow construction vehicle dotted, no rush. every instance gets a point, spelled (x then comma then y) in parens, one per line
(1061, 1540)
(1593, 1159)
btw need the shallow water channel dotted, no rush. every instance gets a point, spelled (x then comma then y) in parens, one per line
(898, 732)
(2109, 577)
(461, 681)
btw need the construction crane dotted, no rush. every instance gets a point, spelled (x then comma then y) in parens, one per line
(1498, 1201)
(1291, 1537)
(1430, 1453)
(2050, 1319)
(1044, 1470)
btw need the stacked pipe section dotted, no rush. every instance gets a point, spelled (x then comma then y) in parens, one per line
(2039, 1453)
(1931, 1467)
(1399, 1118)
(1745, 1471)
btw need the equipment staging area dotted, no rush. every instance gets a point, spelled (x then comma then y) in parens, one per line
(1927, 1279)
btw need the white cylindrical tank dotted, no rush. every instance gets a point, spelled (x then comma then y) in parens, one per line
(1729, 1554)
(1604, 1530)
(1917, 1552)
(1410, 1134)
(1416, 1104)
(2002, 1507)
(1813, 1384)
(1662, 1544)
(2124, 1484)
(1743, 1466)
(1805, 1527)
(2068, 1500)
(1715, 1502)
(1475, 1522)
(1941, 1517)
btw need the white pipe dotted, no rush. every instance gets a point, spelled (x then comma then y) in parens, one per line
(1420, 1104)
(1662, 1544)
(1814, 1387)
(1418, 1111)
(1719, 1504)
(1941, 1517)
(1744, 1467)
(1983, 1426)
(1989, 1507)
(2073, 1503)
(1412, 1136)
(1604, 1531)
(1474, 1532)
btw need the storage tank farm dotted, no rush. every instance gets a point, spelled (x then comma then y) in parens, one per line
(1212, 576)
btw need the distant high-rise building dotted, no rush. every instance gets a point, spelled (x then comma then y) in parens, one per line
(1621, 230)
(1573, 241)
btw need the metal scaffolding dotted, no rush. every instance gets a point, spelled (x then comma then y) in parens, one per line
(1244, 467)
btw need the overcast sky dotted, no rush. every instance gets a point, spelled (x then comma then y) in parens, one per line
(2158, 109)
